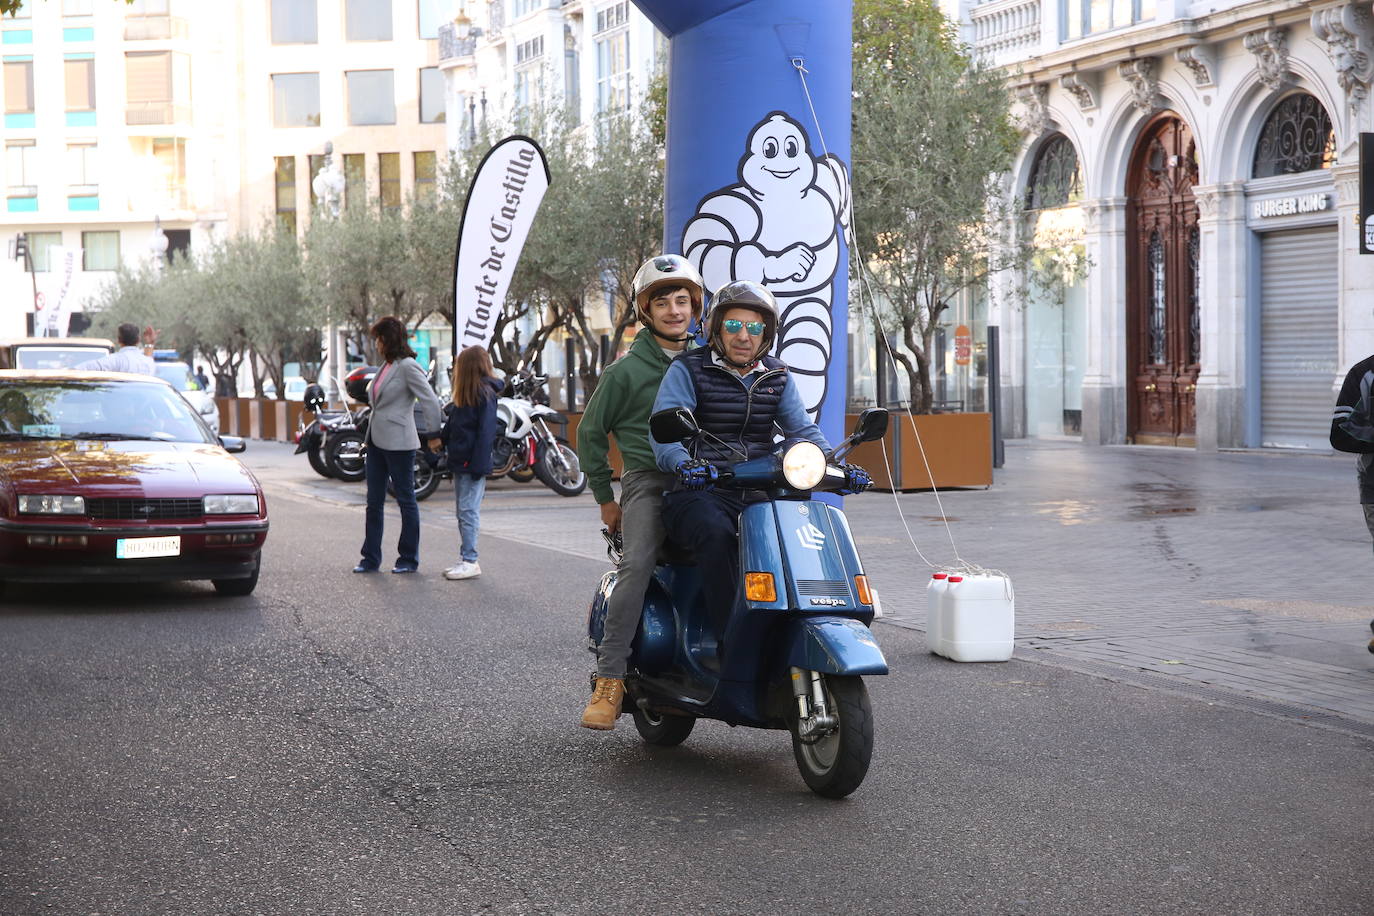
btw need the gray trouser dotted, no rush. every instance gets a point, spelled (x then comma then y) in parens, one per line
(641, 524)
(1369, 517)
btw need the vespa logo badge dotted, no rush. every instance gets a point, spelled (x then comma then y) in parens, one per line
(802, 510)
(811, 537)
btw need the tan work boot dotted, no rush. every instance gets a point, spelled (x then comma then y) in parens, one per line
(604, 706)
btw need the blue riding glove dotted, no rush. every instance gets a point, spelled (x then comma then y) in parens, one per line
(856, 479)
(697, 474)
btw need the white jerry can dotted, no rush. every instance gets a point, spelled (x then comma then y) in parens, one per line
(935, 592)
(977, 619)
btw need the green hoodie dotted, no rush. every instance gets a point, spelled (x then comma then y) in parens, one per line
(620, 406)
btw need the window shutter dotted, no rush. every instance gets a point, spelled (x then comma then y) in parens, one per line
(149, 76)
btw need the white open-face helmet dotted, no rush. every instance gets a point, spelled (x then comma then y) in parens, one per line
(666, 270)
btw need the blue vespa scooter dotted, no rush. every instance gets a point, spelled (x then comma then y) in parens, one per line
(798, 642)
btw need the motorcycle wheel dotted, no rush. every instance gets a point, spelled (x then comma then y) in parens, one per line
(426, 479)
(565, 482)
(664, 731)
(317, 461)
(521, 475)
(834, 765)
(346, 456)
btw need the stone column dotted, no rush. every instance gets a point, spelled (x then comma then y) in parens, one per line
(1105, 379)
(1356, 274)
(1223, 267)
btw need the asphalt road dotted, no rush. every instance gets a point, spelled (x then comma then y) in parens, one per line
(385, 744)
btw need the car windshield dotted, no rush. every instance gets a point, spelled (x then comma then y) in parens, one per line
(70, 409)
(179, 374)
(55, 357)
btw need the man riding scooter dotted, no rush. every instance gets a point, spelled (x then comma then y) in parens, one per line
(668, 292)
(741, 397)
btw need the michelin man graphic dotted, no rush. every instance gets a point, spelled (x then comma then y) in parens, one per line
(780, 226)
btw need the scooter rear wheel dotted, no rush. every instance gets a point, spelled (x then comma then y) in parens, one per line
(835, 765)
(664, 731)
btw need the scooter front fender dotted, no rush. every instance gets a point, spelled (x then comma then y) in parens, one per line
(833, 645)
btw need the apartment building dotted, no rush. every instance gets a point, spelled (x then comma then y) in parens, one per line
(1202, 157)
(134, 130)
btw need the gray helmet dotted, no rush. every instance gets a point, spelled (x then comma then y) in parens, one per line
(743, 294)
(666, 270)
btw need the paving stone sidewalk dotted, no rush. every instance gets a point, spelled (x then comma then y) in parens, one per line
(1240, 577)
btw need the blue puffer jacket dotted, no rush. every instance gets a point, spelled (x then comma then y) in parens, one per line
(469, 433)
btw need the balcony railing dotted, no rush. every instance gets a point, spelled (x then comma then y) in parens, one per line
(147, 28)
(1006, 30)
(140, 114)
(451, 47)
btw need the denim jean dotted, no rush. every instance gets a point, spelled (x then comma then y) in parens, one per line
(707, 522)
(641, 526)
(467, 493)
(399, 467)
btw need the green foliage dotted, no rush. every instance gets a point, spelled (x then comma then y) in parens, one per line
(932, 137)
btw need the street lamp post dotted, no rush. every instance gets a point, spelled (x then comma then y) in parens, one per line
(329, 187)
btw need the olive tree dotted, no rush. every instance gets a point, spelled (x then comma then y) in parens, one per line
(932, 136)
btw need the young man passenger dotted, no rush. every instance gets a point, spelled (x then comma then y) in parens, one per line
(668, 292)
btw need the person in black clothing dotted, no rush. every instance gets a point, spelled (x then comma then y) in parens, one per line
(1352, 430)
(470, 432)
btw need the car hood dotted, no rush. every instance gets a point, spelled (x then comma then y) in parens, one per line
(132, 468)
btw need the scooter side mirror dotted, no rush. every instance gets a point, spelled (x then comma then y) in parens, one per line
(872, 425)
(673, 425)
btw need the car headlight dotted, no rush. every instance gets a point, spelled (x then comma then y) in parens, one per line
(803, 465)
(231, 504)
(52, 505)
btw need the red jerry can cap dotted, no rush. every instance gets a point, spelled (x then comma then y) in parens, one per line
(956, 578)
(940, 576)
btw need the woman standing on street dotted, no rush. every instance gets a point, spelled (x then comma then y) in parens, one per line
(391, 443)
(471, 432)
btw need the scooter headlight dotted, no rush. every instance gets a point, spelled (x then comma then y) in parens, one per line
(803, 465)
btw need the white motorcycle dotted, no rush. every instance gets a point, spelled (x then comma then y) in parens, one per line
(525, 445)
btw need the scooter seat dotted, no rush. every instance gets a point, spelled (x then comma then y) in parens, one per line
(671, 553)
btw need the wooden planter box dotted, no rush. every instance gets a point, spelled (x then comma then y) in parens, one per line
(957, 445)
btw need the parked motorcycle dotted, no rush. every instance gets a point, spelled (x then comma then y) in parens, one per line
(798, 642)
(346, 449)
(526, 447)
(316, 437)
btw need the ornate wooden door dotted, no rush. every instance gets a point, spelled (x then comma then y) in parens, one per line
(1163, 346)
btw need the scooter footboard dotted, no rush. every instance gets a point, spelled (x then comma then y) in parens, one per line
(833, 645)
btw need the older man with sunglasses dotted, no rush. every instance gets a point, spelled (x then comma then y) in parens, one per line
(741, 398)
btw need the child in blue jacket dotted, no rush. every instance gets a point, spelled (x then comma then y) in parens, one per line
(470, 432)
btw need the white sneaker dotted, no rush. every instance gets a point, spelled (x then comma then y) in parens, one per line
(464, 570)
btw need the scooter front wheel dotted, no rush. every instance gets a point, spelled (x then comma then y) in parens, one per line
(664, 731)
(834, 764)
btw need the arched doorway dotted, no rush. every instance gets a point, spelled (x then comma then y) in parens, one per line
(1163, 336)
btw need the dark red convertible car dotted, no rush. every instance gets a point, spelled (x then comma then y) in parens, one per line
(112, 477)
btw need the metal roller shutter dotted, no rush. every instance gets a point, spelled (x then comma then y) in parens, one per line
(1298, 333)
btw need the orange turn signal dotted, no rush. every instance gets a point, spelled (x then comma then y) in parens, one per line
(861, 586)
(758, 586)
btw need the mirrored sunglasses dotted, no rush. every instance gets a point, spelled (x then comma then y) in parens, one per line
(732, 326)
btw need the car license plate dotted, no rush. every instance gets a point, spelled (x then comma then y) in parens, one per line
(130, 548)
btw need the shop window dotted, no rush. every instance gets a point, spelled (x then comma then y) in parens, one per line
(1055, 179)
(100, 250)
(371, 97)
(295, 100)
(294, 22)
(367, 20)
(1297, 137)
